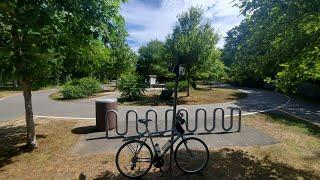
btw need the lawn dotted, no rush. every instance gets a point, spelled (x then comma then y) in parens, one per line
(197, 96)
(7, 93)
(296, 157)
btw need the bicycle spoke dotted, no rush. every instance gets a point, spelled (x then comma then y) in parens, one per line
(191, 155)
(131, 149)
(136, 165)
(185, 144)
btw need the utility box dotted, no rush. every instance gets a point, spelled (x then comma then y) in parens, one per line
(102, 106)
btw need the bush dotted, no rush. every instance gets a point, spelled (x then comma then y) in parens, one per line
(131, 86)
(182, 86)
(80, 88)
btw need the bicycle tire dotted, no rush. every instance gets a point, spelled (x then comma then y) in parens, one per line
(122, 147)
(205, 160)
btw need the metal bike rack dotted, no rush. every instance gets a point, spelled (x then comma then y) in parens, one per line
(166, 118)
(156, 117)
(188, 129)
(239, 117)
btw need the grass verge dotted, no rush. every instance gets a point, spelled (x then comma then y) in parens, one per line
(7, 93)
(296, 157)
(198, 96)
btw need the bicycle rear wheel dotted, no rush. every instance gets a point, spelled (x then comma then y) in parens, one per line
(134, 159)
(191, 155)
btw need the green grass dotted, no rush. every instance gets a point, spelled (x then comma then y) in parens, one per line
(295, 157)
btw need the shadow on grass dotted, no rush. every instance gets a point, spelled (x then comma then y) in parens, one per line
(147, 100)
(198, 96)
(280, 117)
(85, 130)
(231, 164)
(12, 143)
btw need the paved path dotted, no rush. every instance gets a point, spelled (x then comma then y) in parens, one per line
(256, 101)
(13, 106)
(305, 110)
(93, 143)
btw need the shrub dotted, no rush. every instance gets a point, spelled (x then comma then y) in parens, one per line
(131, 86)
(90, 85)
(80, 88)
(182, 86)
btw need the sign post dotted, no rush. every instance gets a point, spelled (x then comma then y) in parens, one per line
(187, 59)
(174, 113)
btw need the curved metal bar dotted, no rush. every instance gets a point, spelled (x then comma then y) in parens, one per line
(196, 119)
(106, 121)
(166, 118)
(205, 119)
(137, 124)
(187, 118)
(239, 116)
(223, 124)
(215, 117)
(156, 117)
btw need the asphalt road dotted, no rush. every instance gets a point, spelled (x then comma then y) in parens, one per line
(13, 106)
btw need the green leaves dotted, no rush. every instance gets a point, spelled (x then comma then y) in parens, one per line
(130, 86)
(152, 60)
(78, 34)
(194, 37)
(277, 40)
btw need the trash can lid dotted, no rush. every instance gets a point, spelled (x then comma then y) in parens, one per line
(107, 100)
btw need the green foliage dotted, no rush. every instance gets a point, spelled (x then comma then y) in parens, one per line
(278, 42)
(182, 86)
(194, 37)
(152, 60)
(81, 88)
(41, 42)
(131, 86)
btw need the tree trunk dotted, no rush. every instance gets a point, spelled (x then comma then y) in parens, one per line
(188, 84)
(31, 135)
(188, 88)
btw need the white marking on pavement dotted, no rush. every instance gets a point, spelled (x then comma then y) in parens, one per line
(244, 114)
(9, 96)
(62, 117)
(252, 113)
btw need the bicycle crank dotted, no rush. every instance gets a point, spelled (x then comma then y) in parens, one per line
(158, 162)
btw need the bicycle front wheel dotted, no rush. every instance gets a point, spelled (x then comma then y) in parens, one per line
(134, 159)
(191, 155)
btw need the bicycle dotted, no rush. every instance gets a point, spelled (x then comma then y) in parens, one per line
(139, 158)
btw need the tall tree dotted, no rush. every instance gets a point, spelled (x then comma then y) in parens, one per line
(278, 42)
(152, 60)
(194, 37)
(35, 36)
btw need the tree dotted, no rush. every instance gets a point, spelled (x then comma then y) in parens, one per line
(36, 36)
(278, 42)
(194, 37)
(152, 60)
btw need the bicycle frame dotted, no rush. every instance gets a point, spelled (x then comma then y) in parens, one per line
(157, 133)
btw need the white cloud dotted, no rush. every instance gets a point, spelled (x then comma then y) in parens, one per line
(148, 20)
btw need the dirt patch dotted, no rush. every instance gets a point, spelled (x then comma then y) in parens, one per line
(198, 96)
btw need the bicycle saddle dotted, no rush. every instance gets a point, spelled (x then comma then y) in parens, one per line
(144, 121)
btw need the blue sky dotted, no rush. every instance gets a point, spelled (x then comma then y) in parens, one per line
(154, 19)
